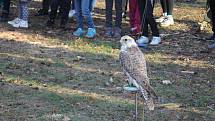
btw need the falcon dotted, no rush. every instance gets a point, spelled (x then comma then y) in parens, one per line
(134, 67)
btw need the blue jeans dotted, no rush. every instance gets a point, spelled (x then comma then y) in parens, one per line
(82, 8)
(92, 4)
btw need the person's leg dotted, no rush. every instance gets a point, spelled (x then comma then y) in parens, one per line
(143, 16)
(73, 5)
(85, 6)
(169, 18)
(144, 24)
(108, 11)
(164, 10)
(45, 8)
(118, 20)
(23, 16)
(5, 11)
(79, 19)
(151, 20)
(86, 13)
(134, 16)
(45, 5)
(72, 9)
(170, 4)
(212, 9)
(132, 8)
(78, 13)
(92, 5)
(54, 7)
(164, 6)
(53, 13)
(65, 12)
(6, 7)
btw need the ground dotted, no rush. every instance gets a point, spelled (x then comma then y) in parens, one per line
(48, 75)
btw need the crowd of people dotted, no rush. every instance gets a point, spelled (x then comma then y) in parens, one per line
(140, 14)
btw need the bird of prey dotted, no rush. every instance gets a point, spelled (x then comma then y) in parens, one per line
(134, 67)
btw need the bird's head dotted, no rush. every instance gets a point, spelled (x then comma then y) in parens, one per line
(127, 42)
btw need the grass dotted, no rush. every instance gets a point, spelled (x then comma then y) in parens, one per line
(50, 76)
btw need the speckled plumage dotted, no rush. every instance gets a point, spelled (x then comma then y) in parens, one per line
(134, 67)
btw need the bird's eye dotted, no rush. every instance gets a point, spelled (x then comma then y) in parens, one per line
(126, 39)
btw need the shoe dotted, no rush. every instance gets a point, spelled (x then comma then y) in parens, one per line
(71, 13)
(167, 21)
(21, 24)
(117, 32)
(155, 40)
(108, 32)
(91, 32)
(142, 41)
(79, 32)
(4, 18)
(16, 20)
(50, 23)
(42, 12)
(161, 19)
(212, 46)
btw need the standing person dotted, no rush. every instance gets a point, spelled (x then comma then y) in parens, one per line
(82, 8)
(22, 20)
(111, 31)
(147, 18)
(212, 8)
(166, 19)
(134, 16)
(64, 12)
(5, 11)
(45, 8)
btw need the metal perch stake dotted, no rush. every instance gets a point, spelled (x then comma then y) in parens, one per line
(133, 89)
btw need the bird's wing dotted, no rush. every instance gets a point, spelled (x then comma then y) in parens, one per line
(133, 62)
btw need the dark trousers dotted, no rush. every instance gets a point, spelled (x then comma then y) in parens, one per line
(64, 6)
(212, 8)
(6, 7)
(109, 13)
(147, 18)
(45, 5)
(167, 6)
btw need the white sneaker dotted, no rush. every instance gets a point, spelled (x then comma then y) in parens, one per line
(71, 13)
(161, 19)
(155, 40)
(167, 22)
(16, 20)
(143, 40)
(21, 24)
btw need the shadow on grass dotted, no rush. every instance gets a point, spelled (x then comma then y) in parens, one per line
(64, 71)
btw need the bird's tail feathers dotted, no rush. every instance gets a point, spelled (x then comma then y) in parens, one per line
(148, 99)
(151, 92)
(150, 103)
